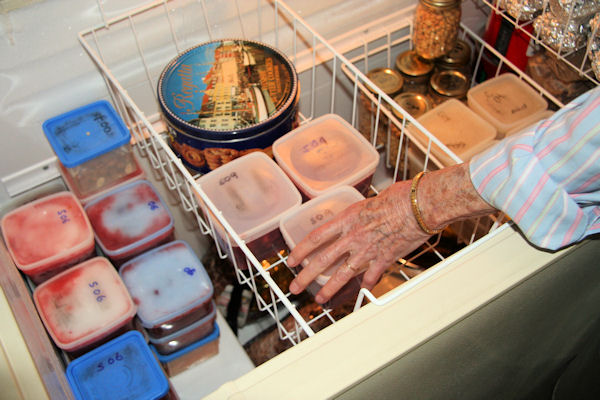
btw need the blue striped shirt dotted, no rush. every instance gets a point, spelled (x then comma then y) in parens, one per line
(547, 178)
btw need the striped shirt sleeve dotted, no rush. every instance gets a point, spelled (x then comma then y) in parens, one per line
(547, 178)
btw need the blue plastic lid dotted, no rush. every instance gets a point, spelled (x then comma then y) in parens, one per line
(123, 368)
(202, 342)
(85, 133)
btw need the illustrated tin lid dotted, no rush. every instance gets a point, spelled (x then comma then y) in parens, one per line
(166, 282)
(179, 353)
(252, 192)
(409, 63)
(87, 132)
(42, 232)
(128, 217)
(415, 104)
(123, 368)
(298, 223)
(83, 304)
(450, 83)
(226, 89)
(386, 79)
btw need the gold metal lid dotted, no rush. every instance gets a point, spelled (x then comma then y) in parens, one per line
(441, 3)
(415, 104)
(458, 56)
(450, 83)
(409, 63)
(386, 79)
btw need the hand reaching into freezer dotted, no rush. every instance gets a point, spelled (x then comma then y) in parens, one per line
(370, 235)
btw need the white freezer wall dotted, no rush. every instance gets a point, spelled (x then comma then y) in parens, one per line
(44, 71)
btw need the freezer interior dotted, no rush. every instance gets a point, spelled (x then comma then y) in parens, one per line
(475, 310)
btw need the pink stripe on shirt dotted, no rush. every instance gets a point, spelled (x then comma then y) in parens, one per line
(531, 198)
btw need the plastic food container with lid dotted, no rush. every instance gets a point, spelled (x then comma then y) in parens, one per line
(170, 287)
(507, 102)
(252, 193)
(187, 335)
(458, 127)
(324, 153)
(48, 235)
(191, 355)
(129, 220)
(85, 306)
(92, 145)
(123, 368)
(225, 98)
(298, 223)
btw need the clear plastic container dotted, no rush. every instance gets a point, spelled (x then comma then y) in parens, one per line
(187, 335)
(85, 306)
(129, 220)
(506, 102)
(123, 368)
(325, 153)
(48, 235)
(298, 223)
(170, 287)
(181, 360)
(457, 126)
(92, 145)
(252, 193)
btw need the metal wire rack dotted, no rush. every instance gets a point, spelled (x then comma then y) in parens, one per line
(332, 76)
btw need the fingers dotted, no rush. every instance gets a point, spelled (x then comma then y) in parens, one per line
(313, 241)
(340, 278)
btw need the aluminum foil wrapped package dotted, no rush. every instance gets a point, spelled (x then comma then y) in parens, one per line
(523, 10)
(574, 9)
(594, 45)
(560, 35)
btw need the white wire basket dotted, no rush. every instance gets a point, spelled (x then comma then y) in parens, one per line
(332, 75)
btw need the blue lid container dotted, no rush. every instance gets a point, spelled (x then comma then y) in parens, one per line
(123, 368)
(85, 133)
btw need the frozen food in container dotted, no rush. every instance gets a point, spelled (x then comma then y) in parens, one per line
(129, 220)
(170, 287)
(458, 127)
(48, 235)
(298, 223)
(123, 368)
(189, 356)
(506, 102)
(186, 335)
(252, 193)
(92, 145)
(325, 153)
(85, 306)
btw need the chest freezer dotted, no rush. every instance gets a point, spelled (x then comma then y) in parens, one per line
(498, 317)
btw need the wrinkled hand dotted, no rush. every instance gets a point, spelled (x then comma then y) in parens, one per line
(371, 235)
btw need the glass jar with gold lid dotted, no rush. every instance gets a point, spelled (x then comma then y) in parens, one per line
(447, 84)
(415, 71)
(436, 25)
(415, 104)
(389, 82)
(459, 58)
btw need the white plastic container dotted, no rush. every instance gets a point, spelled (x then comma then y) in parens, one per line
(85, 306)
(129, 220)
(325, 153)
(170, 287)
(92, 145)
(457, 126)
(48, 235)
(253, 193)
(506, 102)
(298, 223)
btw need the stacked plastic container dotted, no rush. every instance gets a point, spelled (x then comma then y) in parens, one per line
(173, 293)
(92, 145)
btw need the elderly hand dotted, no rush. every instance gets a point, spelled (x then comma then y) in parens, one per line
(372, 234)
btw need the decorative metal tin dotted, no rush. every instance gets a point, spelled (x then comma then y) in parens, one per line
(225, 98)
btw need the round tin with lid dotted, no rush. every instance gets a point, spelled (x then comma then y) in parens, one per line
(386, 79)
(448, 84)
(226, 94)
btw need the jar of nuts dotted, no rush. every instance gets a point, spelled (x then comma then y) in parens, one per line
(436, 27)
(459, 58)
(447, 84)
(415, 71)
